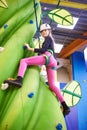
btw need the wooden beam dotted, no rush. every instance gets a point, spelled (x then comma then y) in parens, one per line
(67, 4)
(74, 46)
(85, 34)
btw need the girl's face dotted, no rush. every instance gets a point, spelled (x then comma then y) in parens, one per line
(45, 32)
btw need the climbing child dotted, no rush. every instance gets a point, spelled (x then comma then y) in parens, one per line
(45, 57)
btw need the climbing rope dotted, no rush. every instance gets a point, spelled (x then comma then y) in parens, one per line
(37, 26)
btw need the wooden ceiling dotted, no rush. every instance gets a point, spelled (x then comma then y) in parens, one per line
(75, 39)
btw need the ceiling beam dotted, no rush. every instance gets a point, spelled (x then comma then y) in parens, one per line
(67, 4)
(74, 46)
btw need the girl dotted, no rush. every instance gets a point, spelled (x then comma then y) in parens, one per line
(45, 57)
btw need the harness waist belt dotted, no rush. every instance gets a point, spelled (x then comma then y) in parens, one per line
(49, 50)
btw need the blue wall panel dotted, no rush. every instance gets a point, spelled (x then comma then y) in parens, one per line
(72, 118)
(80, 74)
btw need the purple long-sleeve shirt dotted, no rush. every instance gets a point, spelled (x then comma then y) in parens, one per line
(48, 44)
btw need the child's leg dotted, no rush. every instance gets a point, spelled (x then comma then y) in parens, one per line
(51, 82)
(35, 60)
(56, 90)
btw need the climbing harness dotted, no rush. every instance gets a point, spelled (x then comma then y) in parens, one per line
(47, 59)
(49, 50)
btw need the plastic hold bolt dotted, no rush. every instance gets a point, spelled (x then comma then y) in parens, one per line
(35, 5)
(24, 47)
(30, 95)
(59, 126)
(31, 22)
(5, 26)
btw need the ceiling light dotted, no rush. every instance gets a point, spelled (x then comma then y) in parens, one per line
(71, 26)
(45, 8)
(58, 47)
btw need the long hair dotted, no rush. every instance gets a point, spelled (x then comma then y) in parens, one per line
(50, 34)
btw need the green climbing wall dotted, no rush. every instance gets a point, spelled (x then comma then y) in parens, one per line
(34, 106)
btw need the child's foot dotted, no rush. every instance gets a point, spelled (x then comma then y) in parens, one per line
(14, 82)
(66, 109)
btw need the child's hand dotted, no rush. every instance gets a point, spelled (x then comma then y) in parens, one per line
(28, 47)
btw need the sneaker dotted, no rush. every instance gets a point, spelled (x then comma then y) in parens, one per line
(15, 82)
(66, 109)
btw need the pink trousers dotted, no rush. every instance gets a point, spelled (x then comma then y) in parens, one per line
(41, 60)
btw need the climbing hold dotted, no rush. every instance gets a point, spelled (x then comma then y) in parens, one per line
(1, 49)
(35, 4)
(5, 26)
(65, 20)
(4, 86)
(31, 22)
(30, 95)
(24, 47)
(59, 126)
(3, 4)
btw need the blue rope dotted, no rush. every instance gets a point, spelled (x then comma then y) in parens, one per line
(38, 31)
